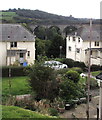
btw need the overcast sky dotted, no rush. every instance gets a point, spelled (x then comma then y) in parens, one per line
(76, 8)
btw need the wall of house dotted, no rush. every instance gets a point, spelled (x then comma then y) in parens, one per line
(3, 53)
(77, 44)
(29, 46)
(83, 56)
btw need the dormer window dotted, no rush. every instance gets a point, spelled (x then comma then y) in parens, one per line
(8, 37)
(25, 37)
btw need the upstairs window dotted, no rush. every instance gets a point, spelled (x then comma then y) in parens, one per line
(78, 39)
(77, 50)
(13, 44)
(96, 43)
(69, 48)
(28, 53)
(73, 38)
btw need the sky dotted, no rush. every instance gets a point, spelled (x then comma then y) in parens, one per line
(76, 8)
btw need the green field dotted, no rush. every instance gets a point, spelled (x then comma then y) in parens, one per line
(19, 86)
(7, 15)
(17, 112)
(95, 73)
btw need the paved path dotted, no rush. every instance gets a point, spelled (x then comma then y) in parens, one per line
(80, 110)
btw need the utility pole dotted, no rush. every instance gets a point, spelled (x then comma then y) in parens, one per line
(88, 80)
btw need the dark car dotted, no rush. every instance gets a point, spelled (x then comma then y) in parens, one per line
(99, 76)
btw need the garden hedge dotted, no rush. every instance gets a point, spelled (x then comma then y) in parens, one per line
(15, 71)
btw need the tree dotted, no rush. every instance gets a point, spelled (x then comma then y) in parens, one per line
(54, 49)
(43, 82)
(40, 32)
(70, 90)
(69, 29)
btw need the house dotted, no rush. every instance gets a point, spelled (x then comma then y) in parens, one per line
(17, 44)
(78, 44)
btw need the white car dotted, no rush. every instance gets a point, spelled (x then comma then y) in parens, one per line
(55, 64)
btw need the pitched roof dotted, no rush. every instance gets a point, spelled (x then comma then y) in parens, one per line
(15, 32)
(84, 32)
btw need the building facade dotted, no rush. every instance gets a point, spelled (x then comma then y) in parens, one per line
(78, 44)
(17, 45)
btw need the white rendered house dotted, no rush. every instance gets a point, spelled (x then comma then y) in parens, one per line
(77, 45)
(16, 44)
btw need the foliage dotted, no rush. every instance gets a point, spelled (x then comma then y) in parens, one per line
(70, 90)
(93, 84)
(43, 81)
(54, 49)
(73, 75)
(42, 47)
(69, 62)
(95, 73)
(79, 70)
(17, 112)
(53, 112)
(95, 67)
(69, 29)
(15, 71)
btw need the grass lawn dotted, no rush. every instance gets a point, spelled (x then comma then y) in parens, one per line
(19, 86)
(95, 73)
(17, 112)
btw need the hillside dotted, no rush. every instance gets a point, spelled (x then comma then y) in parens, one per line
(36, 17)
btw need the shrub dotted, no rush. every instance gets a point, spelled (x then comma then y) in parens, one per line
(79, 70)
(93, 84)
(15, 71)
(69, 62)
(73, 75)
(53, 112)
(79, 64)
(43, 82)
(95, 67)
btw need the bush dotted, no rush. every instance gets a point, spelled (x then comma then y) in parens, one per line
(43, 82)
(53, 112)
(79, 64)
(93, 84)
(95, 67)
(15, 71)
(79, 70)
(69, 62)
(73, 75)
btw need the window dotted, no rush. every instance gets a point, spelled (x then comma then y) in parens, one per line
(28, 53)
(21, 55)
(78, 39)
(69, 38)
(96, 43)
(69, 48)
(77, 50)
(25, 37)
(73, 38)
(13, 44)
(8, 37)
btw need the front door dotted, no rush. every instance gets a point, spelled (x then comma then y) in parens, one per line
(21, 56)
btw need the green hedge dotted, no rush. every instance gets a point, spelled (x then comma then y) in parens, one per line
(15, 71)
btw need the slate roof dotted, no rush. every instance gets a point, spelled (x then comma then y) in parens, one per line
(84, 32)
(15, 32)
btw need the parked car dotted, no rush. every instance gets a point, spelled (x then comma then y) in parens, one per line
(55, 64)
